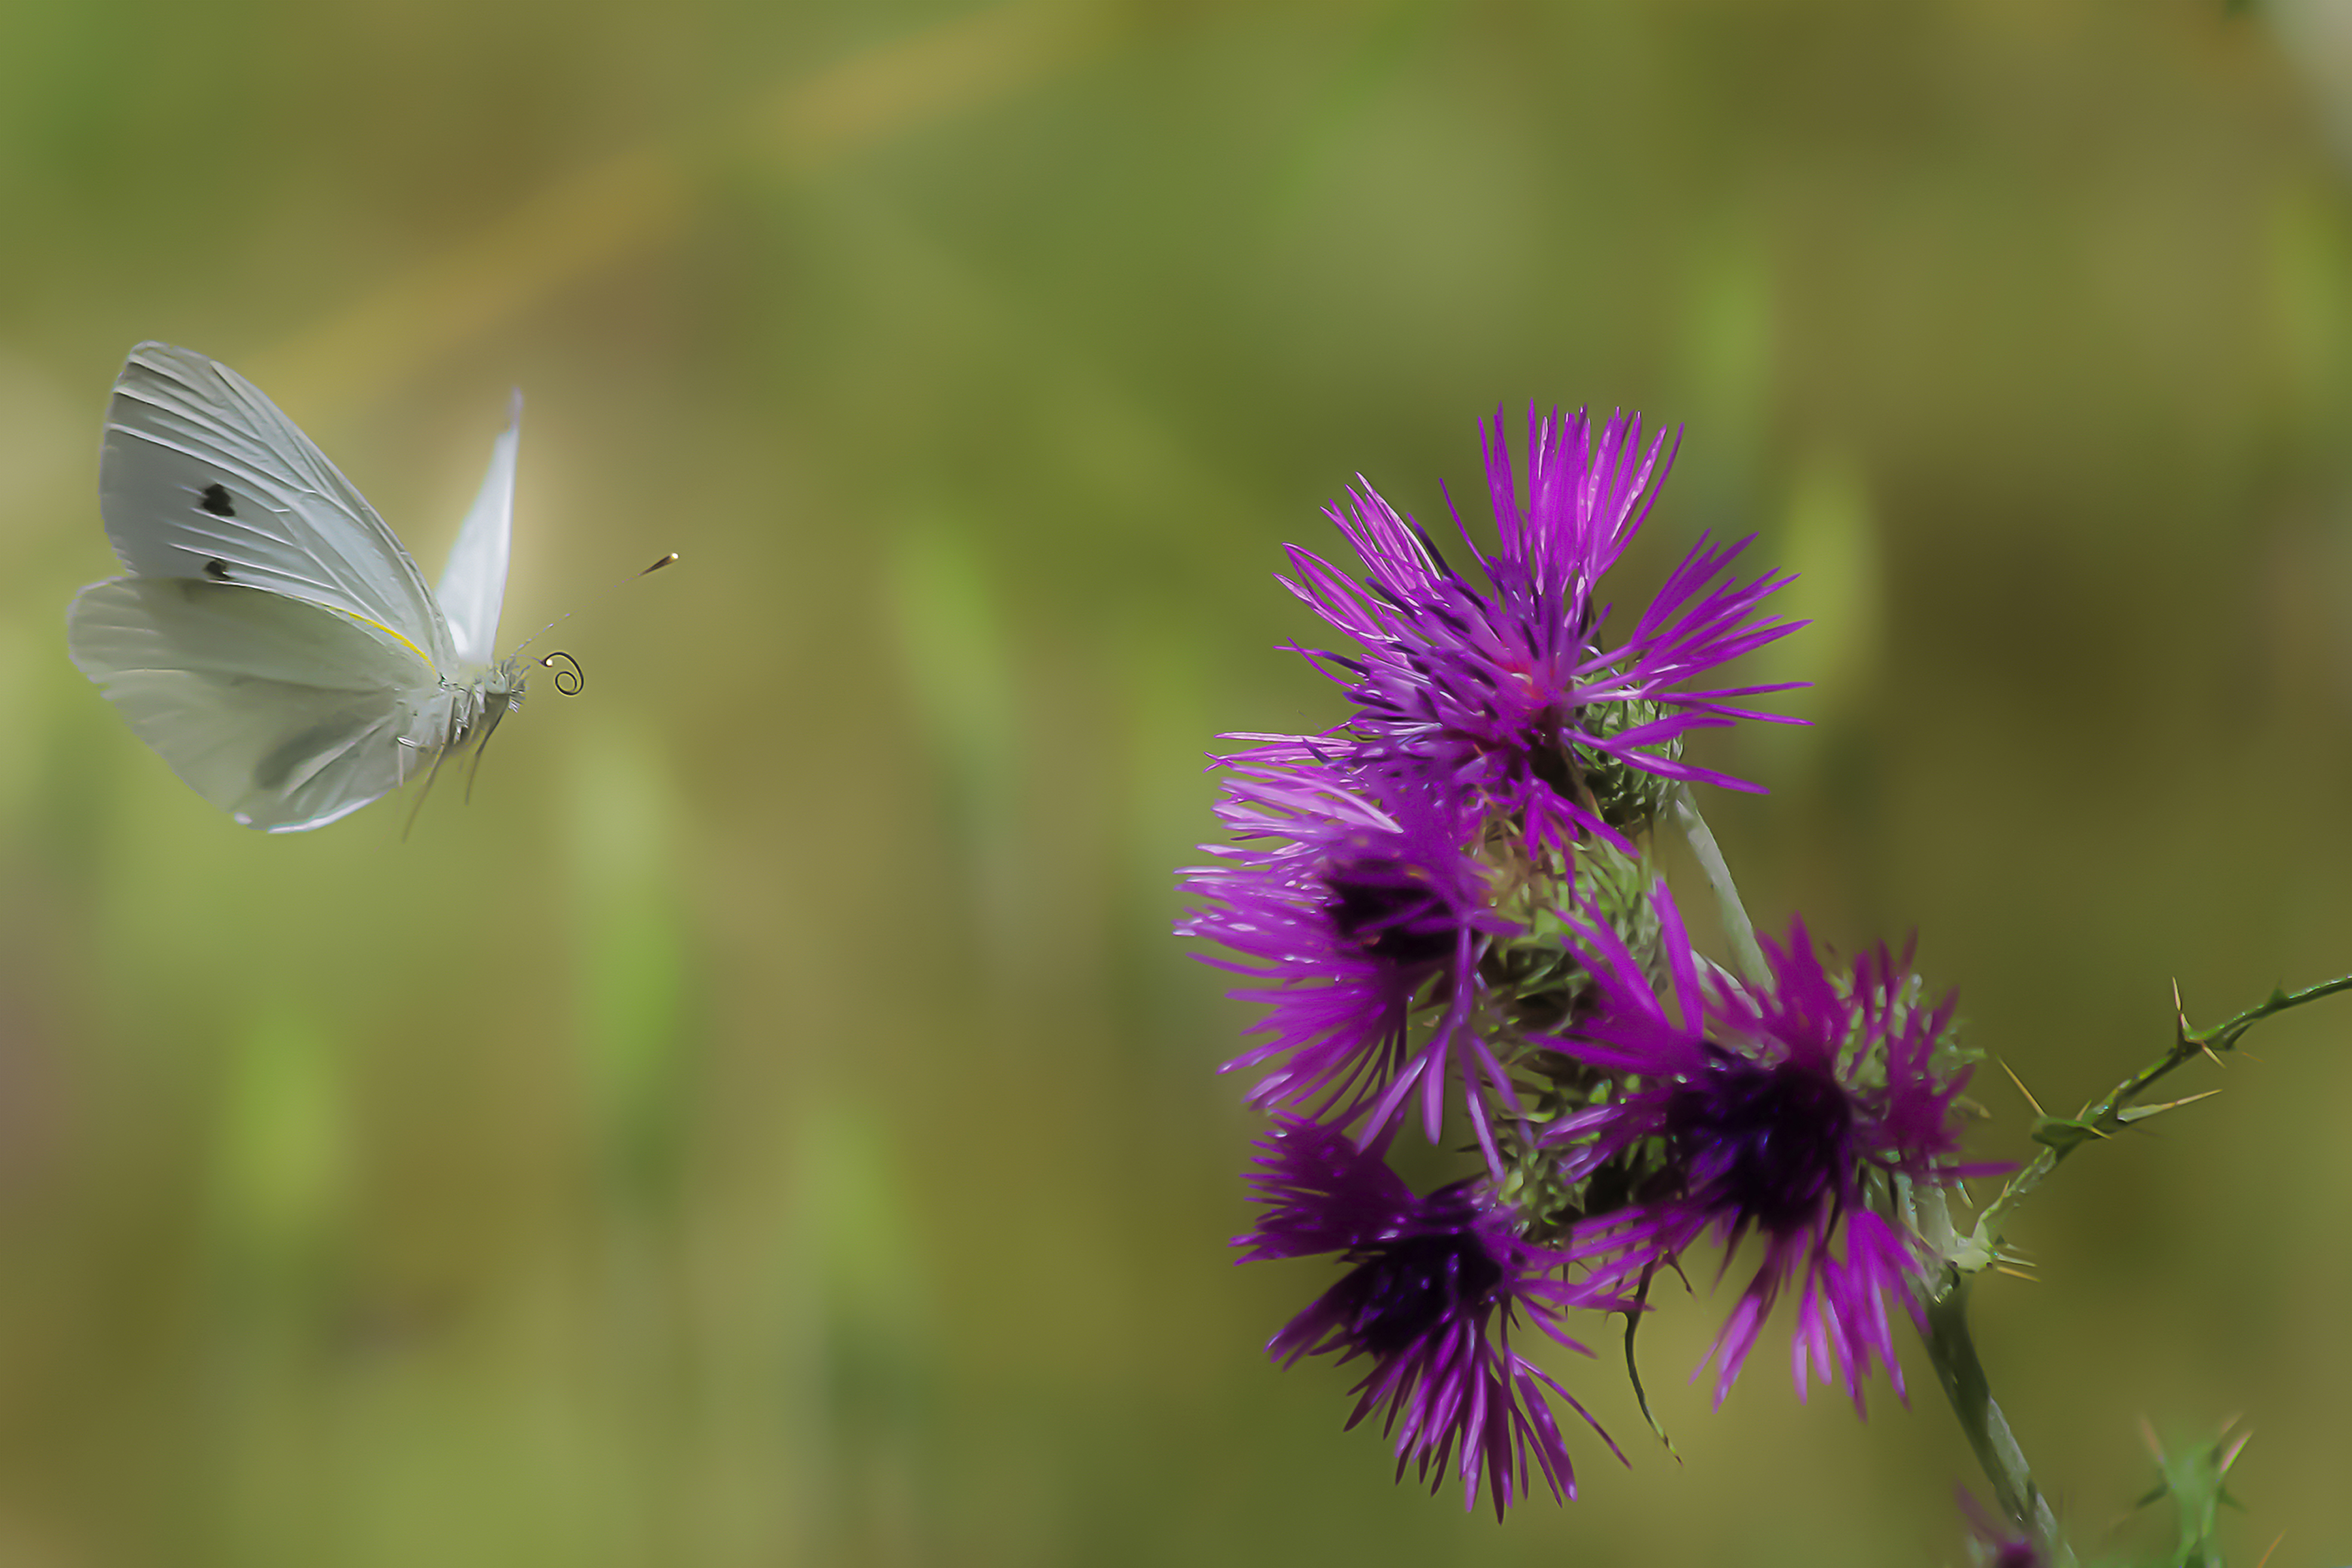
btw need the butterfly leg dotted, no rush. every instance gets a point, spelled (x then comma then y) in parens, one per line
(448, 738)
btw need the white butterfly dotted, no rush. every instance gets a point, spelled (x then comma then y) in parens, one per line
(274, 642)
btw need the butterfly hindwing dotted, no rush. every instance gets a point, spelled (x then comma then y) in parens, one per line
(282, 712)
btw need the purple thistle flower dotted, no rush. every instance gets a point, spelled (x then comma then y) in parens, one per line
(1503, 693)
(1775, 1107)
(1361, 931)
(1436, 1286)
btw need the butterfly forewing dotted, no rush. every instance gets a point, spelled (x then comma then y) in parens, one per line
(203, 477)
(474, 584)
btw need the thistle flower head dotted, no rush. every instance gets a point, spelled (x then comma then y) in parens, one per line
(1360, 926)
(1503, 691)
(1778, 1110)
(1435, 1287)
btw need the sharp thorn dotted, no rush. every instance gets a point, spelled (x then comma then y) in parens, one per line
(2021, 1089)
(2142, 1113)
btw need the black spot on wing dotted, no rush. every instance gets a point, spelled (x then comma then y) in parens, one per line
(217, 572)
(215, 500)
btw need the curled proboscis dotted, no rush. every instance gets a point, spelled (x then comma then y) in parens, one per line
(567, 680)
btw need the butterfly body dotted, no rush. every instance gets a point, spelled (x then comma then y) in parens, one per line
(274, 642)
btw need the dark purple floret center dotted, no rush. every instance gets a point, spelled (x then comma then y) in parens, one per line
(1406, 1288)
(1385, 907)
(1768, 1141)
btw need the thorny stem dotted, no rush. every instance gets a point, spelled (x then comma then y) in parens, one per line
(1949, 1345)
(2112, 1114)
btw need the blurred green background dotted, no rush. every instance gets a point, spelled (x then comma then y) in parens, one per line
(770, 1125)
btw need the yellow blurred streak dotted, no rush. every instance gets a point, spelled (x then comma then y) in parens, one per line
(953, 66)
(601, 215)
(573, 230)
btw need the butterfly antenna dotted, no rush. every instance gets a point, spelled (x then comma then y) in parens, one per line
(568, 615)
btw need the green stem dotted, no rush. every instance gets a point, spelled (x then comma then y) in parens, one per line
(1954, 1352)
(1737, 926)
(2113, 1113)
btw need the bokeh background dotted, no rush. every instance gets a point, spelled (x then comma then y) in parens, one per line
(770, 1125)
